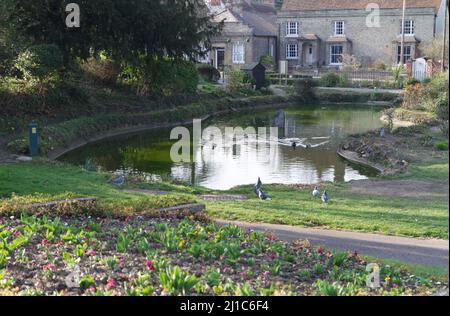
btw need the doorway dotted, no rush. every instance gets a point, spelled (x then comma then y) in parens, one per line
(220, 59)
(309, 55)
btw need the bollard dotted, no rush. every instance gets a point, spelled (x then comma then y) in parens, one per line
(34, 139)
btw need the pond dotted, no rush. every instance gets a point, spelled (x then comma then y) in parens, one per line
(317, 131)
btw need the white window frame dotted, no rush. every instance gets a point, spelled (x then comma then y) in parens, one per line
(332, 54)
(238, 56)
(341, 25)
(292, 29)
(289, 51)
(409, 28)
(407, 52)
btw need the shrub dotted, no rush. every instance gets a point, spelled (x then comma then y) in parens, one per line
(305, 89)
(39, 61)
(410, 81)
(443, 146)
(268, 61)
(329, 80)
(235, 80)
(102, 71)
(208, 73)
(380, 65)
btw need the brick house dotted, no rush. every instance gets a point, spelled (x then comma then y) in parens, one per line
(249, 32)
(317, 33)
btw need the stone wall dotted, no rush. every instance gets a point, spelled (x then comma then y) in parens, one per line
(370, 44)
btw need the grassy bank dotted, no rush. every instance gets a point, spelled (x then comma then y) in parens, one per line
(24, 184)
(292, 205)
(62, 134)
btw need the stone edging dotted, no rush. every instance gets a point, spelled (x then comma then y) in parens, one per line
(354, 157)
(78, 143)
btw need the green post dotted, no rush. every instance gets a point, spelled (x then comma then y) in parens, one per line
(34, 139)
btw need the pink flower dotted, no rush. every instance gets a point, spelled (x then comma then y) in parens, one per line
(227, 270)
(394, 286)
(49, 267)
(272, 255)
(111, 284)
(86, 228)
(91, 252)
(92, 289)
(149, 265)
(45, 241)
(321, 251)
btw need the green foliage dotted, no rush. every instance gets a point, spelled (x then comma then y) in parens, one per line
(175, 281)
(268, 61)
(161, 77)
(330, 79)
(39, 61)
(101, 71)
(235, 80)
(443, 146)
(208, 73)
(87, 281)
(125, 31)
(304, 89)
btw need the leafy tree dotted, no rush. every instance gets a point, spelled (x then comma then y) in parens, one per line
(124, 29)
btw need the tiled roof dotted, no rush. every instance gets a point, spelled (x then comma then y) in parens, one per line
(309, 5)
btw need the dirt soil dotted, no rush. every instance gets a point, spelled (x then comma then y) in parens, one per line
(399, 150)
(400, 188)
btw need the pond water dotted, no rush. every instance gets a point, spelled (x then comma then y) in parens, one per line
(317, 131)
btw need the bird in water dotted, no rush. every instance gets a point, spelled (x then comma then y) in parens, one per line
(263, 196)
(258, 186)
(294, 145)
(119, 181)
(325, 197)
(316, 192)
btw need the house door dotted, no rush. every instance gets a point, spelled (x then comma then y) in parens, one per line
(309, 55)
(220, 59)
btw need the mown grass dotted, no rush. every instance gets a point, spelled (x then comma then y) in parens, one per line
(436, 172)
(346, 211)
(43, 181)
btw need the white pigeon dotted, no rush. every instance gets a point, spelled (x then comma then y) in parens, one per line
(316, 192)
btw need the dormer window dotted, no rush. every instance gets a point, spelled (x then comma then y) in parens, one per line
(292, 29)
(339, 28)
(408, 27)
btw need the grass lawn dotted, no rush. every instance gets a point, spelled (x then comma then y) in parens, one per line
(347, 211)
(44, 181)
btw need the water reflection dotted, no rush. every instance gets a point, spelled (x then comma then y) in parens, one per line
(223, 167)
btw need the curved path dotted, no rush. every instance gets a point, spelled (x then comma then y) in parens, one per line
(431, 252)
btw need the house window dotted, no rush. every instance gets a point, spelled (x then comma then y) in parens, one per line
(292, 51)
(408, 28)
(339, 28)
(406, 53)
(292, 29)
(336, 52)
(272, 50)
(238, 53)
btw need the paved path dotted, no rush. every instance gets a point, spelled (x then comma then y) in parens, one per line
(429, 252)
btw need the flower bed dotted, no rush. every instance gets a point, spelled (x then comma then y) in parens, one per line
(139, 256)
